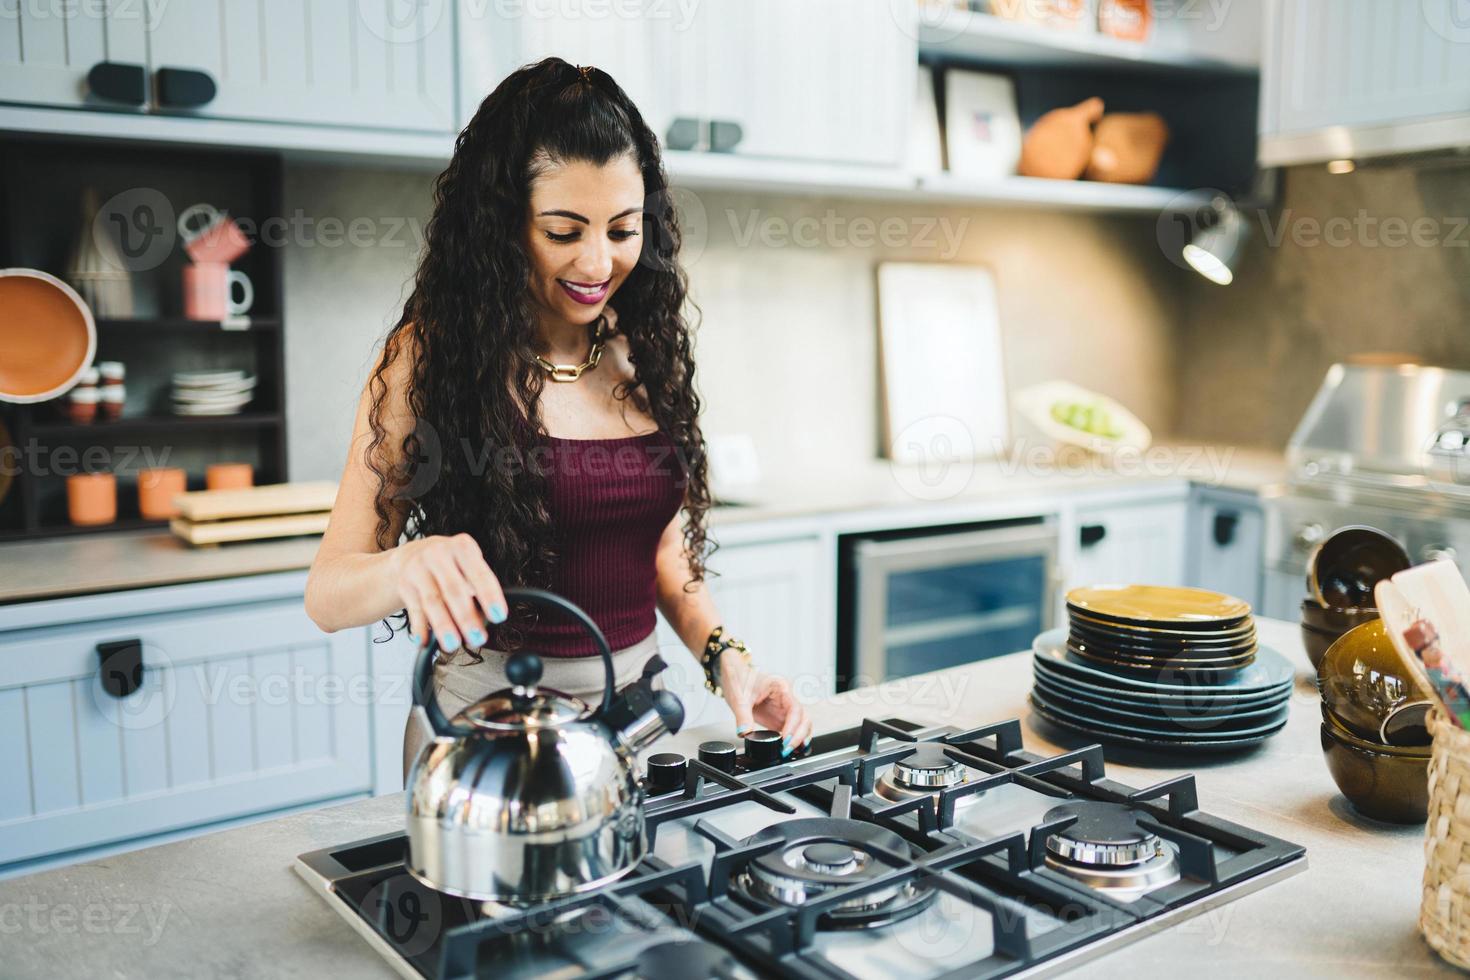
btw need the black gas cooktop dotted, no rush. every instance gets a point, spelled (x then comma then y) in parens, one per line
(886, 848)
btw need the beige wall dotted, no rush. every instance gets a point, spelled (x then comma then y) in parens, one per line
(1252, 354)
(787, 347)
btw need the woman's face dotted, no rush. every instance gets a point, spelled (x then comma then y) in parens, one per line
(584, 232)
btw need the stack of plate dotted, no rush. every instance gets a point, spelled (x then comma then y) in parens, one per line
(1152, 628)
(1161, 668)
(212, 392)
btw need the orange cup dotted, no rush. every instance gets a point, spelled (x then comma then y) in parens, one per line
(157, 489)
(91, 499)
(229, 476)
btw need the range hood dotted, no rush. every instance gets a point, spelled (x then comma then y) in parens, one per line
(1413, 140)
(1364, 80)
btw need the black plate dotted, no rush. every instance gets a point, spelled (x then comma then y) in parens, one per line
(1182, 722)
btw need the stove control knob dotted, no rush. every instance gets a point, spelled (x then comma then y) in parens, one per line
(666, 772)
(763, 748)
(718, 755)
(1308, 536)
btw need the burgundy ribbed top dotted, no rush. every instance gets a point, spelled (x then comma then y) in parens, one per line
(610, 500)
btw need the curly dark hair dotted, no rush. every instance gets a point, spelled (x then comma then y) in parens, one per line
(468, 328)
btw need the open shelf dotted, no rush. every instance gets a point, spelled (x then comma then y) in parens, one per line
(729, 171)
(257, 323)
(984, 38)
(1070, 195)
(158, 424)
(47, 178)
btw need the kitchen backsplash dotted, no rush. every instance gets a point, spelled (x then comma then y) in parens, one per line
(1376, 260)
(786, 287)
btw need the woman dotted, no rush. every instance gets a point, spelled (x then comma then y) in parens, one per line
(518, 429)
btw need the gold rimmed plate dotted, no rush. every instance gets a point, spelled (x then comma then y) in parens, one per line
(1225, 631)
(1142, 644)
(1165, 606)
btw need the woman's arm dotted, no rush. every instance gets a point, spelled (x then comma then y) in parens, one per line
(758, 699)
(438, 580)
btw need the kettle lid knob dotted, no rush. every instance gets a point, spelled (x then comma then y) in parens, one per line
(523, 670)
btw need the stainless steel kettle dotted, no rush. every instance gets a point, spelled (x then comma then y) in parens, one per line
(530, 794)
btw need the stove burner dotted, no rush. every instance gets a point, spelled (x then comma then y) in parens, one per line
(819, 854)
(681, 959)
(923, 772)
(1107, 849)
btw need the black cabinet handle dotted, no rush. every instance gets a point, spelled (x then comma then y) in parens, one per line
(714, 135)
(118, 81)
(1225, 525)
(1091, 534)
(184, 88)
(120, 666)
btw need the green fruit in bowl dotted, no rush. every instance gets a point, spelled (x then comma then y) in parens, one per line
(1090, 418)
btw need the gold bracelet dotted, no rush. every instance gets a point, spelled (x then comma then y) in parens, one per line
(714, 648)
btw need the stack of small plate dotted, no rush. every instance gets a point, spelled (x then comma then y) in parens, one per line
(1162, 668)
(212, 392)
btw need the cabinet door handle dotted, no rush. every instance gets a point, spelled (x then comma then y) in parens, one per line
(118, 81)
(1091, 534)
(184, 88)
(120, 666)
(706, 135)
(1225, 525)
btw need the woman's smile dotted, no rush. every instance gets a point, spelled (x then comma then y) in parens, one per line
(588, 293)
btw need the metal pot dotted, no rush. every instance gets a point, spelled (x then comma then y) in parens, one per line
(529, 794)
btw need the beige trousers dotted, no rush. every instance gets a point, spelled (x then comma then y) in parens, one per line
(459, 682)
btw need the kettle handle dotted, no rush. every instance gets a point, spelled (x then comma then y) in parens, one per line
(423, 674)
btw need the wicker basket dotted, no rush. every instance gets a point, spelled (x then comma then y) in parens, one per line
(1444, 915)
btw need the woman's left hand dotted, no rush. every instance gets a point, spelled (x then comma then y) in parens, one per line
(762, 700)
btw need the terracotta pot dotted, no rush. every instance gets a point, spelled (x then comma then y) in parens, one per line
(91, 499)
(1060, 143)
(229, 476)
(156, 492)
(1128, 148)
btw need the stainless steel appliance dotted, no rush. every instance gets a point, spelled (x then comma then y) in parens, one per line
(889, 850)
(1386, 446)
(914, 601)
(529, 795)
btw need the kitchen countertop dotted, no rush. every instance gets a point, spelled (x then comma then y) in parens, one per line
(93, 563)
(228, 903)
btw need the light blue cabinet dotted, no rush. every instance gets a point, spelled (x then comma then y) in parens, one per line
(242, 706)
(1227, 543)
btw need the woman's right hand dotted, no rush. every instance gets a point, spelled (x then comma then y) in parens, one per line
(446, 586)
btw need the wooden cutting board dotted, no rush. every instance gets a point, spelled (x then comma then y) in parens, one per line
(279, 498)
(250, 528)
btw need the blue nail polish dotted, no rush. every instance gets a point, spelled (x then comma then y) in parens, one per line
(449, 642)
(497, 613)
(477, 639)
(785, 751)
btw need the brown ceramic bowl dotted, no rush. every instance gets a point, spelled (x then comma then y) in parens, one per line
(1343, 570)
(1390, 787)
(1364, 680)
(1316, 642)
(47, 336)
(1419, 749)
(1335, 621)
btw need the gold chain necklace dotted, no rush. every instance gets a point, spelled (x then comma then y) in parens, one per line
(571, 372)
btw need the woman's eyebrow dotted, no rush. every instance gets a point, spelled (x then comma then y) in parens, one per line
(559, 213)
